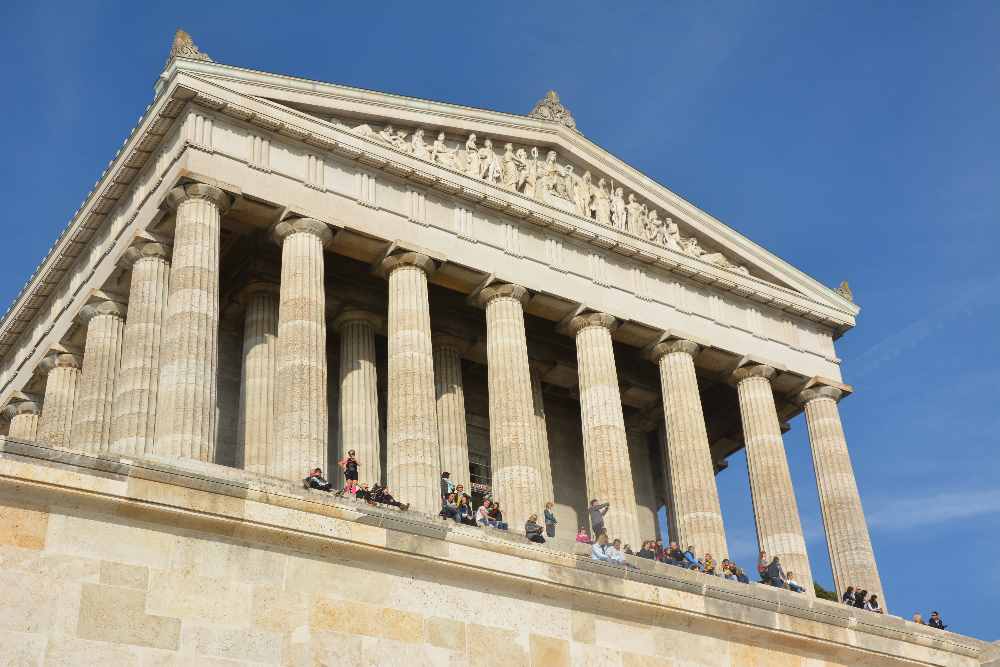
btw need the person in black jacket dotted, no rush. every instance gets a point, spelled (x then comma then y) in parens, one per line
(848, 597)
(380, 494)
(935, 621)
(315, 480)
(532, 530)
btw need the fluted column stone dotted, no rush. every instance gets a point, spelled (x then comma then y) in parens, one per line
(102, 355)
(187, 394)
(776, 512)
(542, 435)
(62, 372)
(258, 391)
(450, 392)
(851, 555)
(605, 446)
(414, 456)
(301, 417)
(516, 459)
(695, 496)
(359, 420)
(636, 432)
(133, 410)
(24, 421)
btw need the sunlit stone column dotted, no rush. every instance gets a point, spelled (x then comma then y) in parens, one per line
(301, 419)
(452, 428)
(414, 456)
(542, 435)
(260, 357)
(188, 386)
(133, 410)
(847, 538)
(359, 422)
(692, 477)
(636, 431)
(102, 355)
(63, 375)
(605, 447)
(516, 459)
(779, 530)
(24, 421)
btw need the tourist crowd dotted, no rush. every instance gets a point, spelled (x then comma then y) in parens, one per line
(456, 504)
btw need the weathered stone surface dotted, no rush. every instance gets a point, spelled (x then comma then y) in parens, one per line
(105, 325)
(695, 497)
(56, 423)
(23, 526)
(301, 420)
(414, 456)
(188, 387)
(260, 356)
(776, 512)
(516, 456)
(450, 391)
(24, 423)
(605, 447)
(117, 615)
(133, 410)
(850, 545)
(359, 423)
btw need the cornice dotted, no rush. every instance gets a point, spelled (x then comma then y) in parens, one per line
(361, 102)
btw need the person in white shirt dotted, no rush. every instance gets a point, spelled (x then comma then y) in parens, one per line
(614, 552)
(598, 550)
(794, 585)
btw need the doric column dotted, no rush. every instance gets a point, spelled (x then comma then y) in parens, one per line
(359, 423)
(230, 389)
(133, 410)
(605, 447)
(636, 431)
(102, 355)
(56, 422)
(260, 357)
(692, 478)
(414, 456)
(24, 421)
(301, 419)
(452, 429)
(776, 513)
(851, 554)
(187, 392)
(542, 435)
(516, 459)
(668, 492)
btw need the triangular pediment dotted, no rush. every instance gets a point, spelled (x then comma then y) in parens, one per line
(539, 158)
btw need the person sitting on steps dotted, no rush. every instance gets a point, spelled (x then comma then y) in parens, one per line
(380, 495)
(315, 480)
(532, 530)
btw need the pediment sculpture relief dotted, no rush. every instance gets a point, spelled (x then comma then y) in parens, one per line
(523, 170)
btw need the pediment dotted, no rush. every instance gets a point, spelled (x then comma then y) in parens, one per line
(538, 157)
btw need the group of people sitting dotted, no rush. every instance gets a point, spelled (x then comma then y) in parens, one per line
(456, 504)
(857, 597)
(376, 495)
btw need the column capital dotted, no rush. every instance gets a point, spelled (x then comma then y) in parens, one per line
(817, 392)
(282, 230)
(222, 200)
(419, 260)
(448, 339)
(373, 320)
(753, 371)
(90, 311)
(500, 290)
(587, 320)
(59, 360)
(255, 287)
(141, 249)
(671, 346)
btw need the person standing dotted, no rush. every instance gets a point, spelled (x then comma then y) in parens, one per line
(597, 512)
(550, 520)
(447, 486)
(350, 467)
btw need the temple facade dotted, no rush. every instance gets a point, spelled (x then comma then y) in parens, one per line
(274, 271)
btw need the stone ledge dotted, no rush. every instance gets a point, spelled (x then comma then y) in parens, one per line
(256, 508)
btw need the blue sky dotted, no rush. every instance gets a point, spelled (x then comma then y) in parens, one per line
(856, 140)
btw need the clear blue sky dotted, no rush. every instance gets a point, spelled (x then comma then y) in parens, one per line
(856, 140)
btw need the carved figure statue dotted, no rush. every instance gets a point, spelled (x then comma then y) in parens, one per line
(618, 210)
(418, 147)
(532, 174)
(549, 175)
(655, 231)
(472, 157)
(582, 192)
(601, 204)
(673, 236)
(489, 164)
(401, 143)
(387, 136)
(441, 154)
(634, 213)
(521, 162)
(509, 168)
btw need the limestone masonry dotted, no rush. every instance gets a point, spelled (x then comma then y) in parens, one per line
(274, 271)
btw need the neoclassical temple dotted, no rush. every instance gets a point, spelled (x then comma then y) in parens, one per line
(273, 271)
